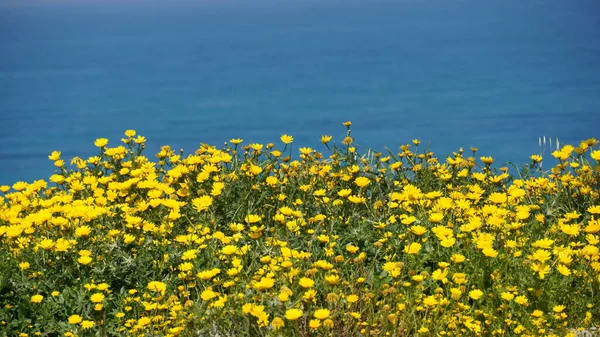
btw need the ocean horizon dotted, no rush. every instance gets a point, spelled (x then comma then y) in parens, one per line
(496, 75)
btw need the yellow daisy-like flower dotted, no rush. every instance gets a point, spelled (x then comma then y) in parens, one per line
(97, 298)
(287, 139)
(252, 218)
(507, 296)
(87, 324)
(75, 319)
(54, 156)
(293, 314)
(418, 230)
(85, 260)
(352, 249)
(321, 314)
(314, 323)
(101, 142)
(325, 139)
(413, 248)
(277, 323)
(352, 298)
(475, 294)
(37, 298)
(305, 282)
(362, 181)
(202, 203)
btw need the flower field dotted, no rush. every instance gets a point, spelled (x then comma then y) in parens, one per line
(274, 240)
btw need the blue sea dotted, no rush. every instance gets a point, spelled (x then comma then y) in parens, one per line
(494, 74)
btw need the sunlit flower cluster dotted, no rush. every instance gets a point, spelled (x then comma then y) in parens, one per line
(264, 240)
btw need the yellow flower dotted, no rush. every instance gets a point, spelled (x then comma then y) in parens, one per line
(558, 308)
(352, 249)
(357, 199)
(362, 181)
(37, 298)
(413, 248)
(202, 203)
(20, 185)
(103, 286)
(186, 266)
(305, 282)
(507, 296)
(490, 252)
(189, 254)
(332, 279)
(101, 142)
(82, 231)
(265, 283)
(475, 294)
(352, 298)
(97, 298)
(277, 323)
(345, 192)
(408, 220)
(487, 160)
(457, 258)
(321, 314)
(293, 314)
(430, 301)
(287, 139)
(537, 313)
(572, 230)
(208, 294)
(143, 321)
(84, 260)
(564, 270)
(54, 156)
(522, 300)
(417, 278)
(140, 140)
(229, 249)
(448, 242)
(75, 319)
(87, 324)
(459, 278)
(130, 133)
(128, 238)
(46, 244)
(595, 155)
(541, 255)
(325, 139)
(545, 243)
(252, 218)
(314, 323)
(536, 158)
(418, 230)
(498, 198)
(306, 150)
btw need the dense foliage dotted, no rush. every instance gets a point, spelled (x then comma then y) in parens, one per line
(251, 240)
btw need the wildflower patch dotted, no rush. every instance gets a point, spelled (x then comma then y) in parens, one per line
(261, 240)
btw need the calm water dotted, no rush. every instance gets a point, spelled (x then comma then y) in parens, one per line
(492, 74)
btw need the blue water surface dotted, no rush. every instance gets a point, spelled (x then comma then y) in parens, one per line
(492, 74)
